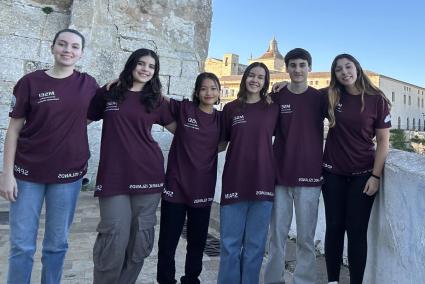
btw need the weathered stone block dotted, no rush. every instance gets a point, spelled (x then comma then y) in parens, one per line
(52, 23)
(11, 69)
(179, 31)
(19, 47)
(165, 81)
(31, 66)
(6, 89)
(163, 138)
(4, 116)
(190, 69)
(170, 66)
(23, 20)
(182, 86)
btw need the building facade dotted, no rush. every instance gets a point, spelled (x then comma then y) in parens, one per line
(407, 110)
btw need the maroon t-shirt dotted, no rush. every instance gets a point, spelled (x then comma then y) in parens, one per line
(249, 172)
(131, 161)
(192, 161)
(298, 145)
(349, 148)
(52, 145)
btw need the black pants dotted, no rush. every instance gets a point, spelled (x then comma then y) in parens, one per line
(172, 220)
(348, 210)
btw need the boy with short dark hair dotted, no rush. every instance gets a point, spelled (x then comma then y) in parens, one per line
(298, 150)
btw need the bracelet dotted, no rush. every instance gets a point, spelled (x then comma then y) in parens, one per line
(375, 176)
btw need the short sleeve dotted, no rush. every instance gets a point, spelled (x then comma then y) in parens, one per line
(175, 108)
(225, 127)
(324, 102)
(97, 105)
(94, 86)
(383, 116)
(165, 115)
(20, 103)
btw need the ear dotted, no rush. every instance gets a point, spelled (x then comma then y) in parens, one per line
(51, 48)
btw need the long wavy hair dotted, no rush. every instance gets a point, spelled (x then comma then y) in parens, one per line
(243, 93)
(198, 84)
(151, 90)
(363, 84)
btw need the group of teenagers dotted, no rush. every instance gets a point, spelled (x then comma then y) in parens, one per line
(274, 163)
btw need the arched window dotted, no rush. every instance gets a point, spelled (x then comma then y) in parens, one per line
(399, 123)
(407, 126)
(414, 125)
(419, 124)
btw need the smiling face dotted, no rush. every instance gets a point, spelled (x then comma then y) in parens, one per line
(345, 72)
(255, 80)
(144, 70)
(67, 49)
(208, 93)
(298, 70)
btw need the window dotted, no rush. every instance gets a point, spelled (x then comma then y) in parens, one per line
(419, 102)
(317, 83)
(404, 99)
(414, 125)
(422, 103)
(407, 127)
(410, 101)
(399, 123)
(419, 124)
(393, 96)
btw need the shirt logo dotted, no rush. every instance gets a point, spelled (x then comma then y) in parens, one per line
(387, 118)
(327, 166)
(310, 180)
(111, 106)
(238, 119)
(47, 97)
(265, 193)
(191, 123)
(146, 185)
(233, 195)
(284, 109)
(168, 193)
(21, 170)
(98, 187)
(69, 175)
(338, 107)
(203, 200)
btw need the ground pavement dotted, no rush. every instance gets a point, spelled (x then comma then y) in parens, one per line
(79, 265)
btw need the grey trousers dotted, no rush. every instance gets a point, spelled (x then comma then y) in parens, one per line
(125, 237)
(306, 203)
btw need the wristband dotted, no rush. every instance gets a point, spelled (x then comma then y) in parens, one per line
(375, 176)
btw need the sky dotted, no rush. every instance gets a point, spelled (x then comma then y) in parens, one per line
(387, 37)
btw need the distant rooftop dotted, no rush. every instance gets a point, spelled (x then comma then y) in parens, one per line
(272, 51)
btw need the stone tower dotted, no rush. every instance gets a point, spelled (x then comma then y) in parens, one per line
(272, 58)
(230, 64)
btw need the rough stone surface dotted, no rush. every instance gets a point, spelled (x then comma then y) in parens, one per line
(178, 30)
(396, 248)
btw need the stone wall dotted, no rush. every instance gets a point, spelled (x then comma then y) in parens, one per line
(179, 30)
